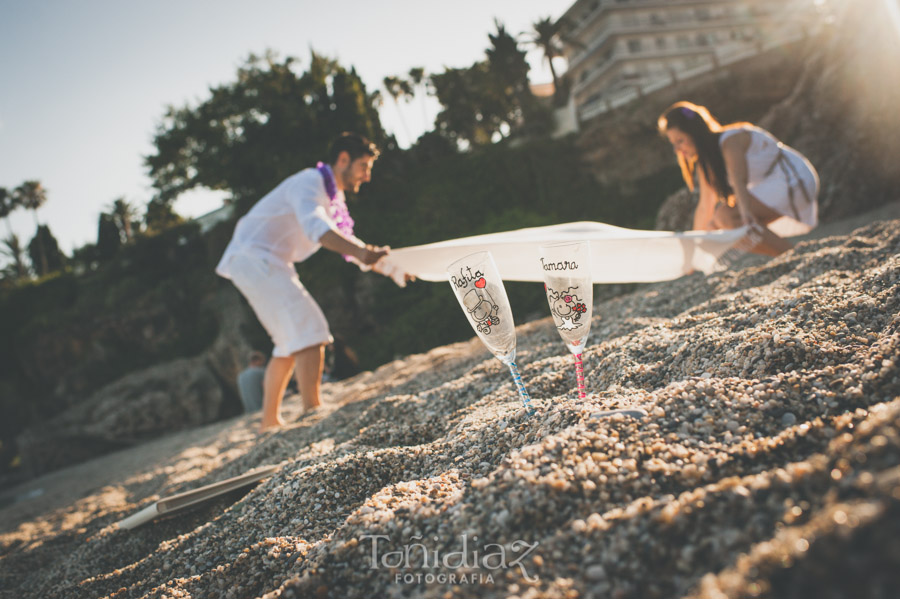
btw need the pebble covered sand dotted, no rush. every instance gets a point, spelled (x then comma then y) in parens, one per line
(768, 464)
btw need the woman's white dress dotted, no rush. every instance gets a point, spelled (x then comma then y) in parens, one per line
(781, 178)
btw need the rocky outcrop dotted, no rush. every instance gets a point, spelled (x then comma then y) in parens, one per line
(72, 358)
(843, 113)
(171, 396)
(676, 213)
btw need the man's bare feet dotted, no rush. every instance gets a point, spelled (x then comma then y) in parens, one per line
(265, 427)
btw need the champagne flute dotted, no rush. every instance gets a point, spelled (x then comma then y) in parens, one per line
(570, 292)
(480, 292)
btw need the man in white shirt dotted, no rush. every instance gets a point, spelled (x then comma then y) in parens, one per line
(289, 224)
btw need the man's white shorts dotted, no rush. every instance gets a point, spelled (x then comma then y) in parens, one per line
(282, 304)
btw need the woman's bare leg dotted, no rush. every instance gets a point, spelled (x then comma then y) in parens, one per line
(766, 242)
(769, 244)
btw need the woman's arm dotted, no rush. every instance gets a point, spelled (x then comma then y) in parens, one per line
(734, 151)
(764, 241)
(706, 205)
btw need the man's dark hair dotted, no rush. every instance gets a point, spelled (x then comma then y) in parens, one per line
(354, 144)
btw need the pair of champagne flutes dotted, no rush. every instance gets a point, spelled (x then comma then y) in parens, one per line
(570, 293)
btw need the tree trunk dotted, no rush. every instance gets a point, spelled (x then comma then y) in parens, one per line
(41, 250)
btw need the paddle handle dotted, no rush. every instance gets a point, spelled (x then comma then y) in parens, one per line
(145, 515)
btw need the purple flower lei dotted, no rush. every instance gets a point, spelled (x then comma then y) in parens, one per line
(338, 206)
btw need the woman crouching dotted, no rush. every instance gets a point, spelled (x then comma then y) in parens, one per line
(746, 176)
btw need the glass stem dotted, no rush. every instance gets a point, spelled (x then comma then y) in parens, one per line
(521, 387)
(579, 376)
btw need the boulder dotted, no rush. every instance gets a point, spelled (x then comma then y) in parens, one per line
(172, 396)
(677, 211)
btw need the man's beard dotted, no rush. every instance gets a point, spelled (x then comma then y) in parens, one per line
(349, 184)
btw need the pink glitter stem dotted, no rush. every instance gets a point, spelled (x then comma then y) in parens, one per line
(579, 376)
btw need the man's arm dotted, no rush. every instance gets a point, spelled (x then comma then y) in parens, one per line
(706, 205)
(366, 254)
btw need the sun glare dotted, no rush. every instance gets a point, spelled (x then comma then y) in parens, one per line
(893, 11)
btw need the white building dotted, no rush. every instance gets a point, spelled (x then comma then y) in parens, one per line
(211, 219)
(618, 50)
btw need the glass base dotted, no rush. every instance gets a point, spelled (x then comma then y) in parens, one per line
(636, 413)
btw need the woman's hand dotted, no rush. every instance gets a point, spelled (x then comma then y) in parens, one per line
(747, 217)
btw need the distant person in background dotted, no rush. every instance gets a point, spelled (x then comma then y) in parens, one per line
(746, 176)
(289, 224)
(250, 382)
(341, 361)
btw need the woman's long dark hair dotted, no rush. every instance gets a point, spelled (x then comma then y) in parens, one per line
(697, 122)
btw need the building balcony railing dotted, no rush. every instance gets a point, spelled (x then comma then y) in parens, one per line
(620, 56)
(668, 27)
(605, 102)
(604, 6)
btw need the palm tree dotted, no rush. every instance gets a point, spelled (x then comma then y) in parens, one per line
(7, 206)
(397, 88)
(16, 252)
(32, 195)
(507, 61)
(123, 214)
(419, 81)
(546, 37)
(508, 71)
(44, 249)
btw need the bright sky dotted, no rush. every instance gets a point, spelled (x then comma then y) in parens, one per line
(85, 82)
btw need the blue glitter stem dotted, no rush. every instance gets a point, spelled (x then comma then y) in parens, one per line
(521, 387)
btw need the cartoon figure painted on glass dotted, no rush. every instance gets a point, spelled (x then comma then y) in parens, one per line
(567, 306)
(481, 307)
(570, 293)
(480, 292)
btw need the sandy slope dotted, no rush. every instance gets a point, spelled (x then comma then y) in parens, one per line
(769, 464)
